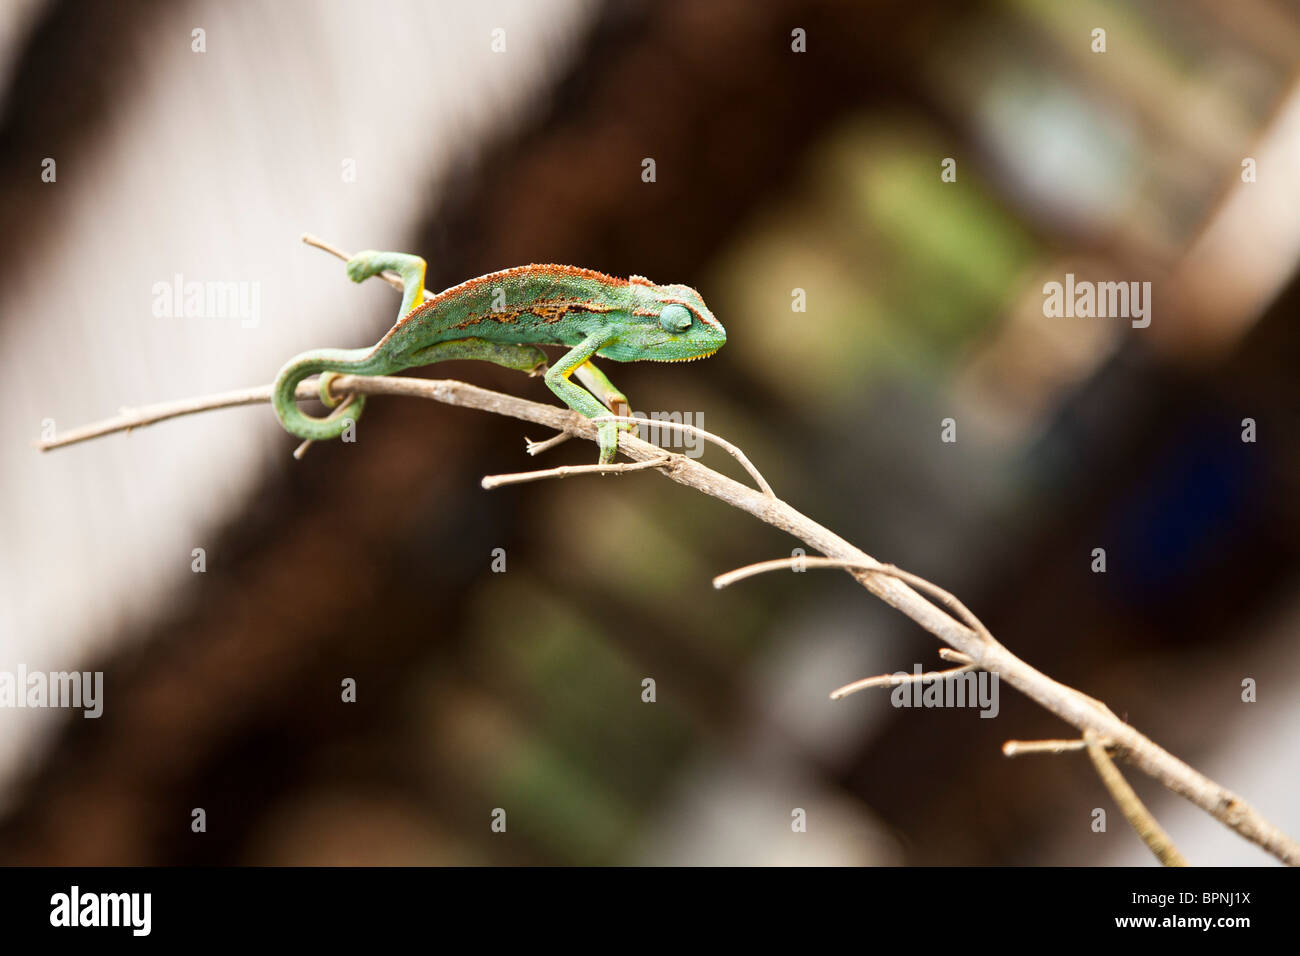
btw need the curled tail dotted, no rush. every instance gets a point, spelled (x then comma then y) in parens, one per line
(283, 400)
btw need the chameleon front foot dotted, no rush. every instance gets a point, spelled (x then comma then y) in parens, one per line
(607, 435)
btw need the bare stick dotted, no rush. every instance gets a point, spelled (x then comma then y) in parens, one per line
(1152, 834)
(894, 680)
(537, 447)
(1072, 706)
(388, 275)
(1017, 748)
(130, 418)
(731, 449)
(914, 580)
(339, 412)
(564, 471)
(873, 567)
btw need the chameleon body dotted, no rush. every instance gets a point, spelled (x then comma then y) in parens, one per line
(502, 318)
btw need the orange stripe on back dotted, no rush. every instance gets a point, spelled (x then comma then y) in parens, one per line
(538, 269)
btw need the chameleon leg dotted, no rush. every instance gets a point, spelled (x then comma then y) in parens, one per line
(605, 390)
(525, 358)
(366, 264)
(580, 400)
(411, 268)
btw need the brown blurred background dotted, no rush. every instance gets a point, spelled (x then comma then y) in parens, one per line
(776, 170)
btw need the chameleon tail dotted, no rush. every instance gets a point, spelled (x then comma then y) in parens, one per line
(354, 361)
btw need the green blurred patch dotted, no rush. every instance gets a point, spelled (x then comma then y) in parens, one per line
(817, 355)
(900, 269)
(951, 251)
(594, 754)
(557, 804)
(654, 550)
(637, 543)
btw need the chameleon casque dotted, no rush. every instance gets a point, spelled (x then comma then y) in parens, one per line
(503, 317)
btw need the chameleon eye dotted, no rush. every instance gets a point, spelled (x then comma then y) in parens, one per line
(675, 318)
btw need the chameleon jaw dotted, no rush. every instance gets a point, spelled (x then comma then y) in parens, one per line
(691, 358)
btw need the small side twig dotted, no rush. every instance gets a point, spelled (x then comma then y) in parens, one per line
(537, 447)
(722, 443)
(1138, 816)
(338, 412)
(131, 418)
(388, 275)
(564, 471)
(894, 680)
(1017, 748)
(761, 567)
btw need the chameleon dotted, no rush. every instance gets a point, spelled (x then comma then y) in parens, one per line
(503, 317)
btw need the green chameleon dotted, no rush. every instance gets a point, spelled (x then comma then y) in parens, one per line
(503, 317)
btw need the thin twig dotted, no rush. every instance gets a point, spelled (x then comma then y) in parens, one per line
(537, 447)
(338, 412)
(129, 418)
(908, 577)
(722, 443)
(1072, 706)
(870, 567)
(1017, 748)
(1138, 816)
(895, 680)
(564, 471)
(388, 275)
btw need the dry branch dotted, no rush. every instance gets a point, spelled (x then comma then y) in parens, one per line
(885, 582)
(1138, 816)
(969, 640)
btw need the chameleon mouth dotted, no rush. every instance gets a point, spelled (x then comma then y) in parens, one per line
(693, 358)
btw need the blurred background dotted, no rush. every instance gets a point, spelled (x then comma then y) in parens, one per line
(490, 134)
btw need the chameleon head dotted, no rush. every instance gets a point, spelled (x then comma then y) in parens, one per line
(670, 323)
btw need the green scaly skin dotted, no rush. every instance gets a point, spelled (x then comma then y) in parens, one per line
(502, 318)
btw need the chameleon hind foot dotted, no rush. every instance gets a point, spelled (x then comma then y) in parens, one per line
(411, 268)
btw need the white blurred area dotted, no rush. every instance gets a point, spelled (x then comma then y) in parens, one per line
(98, 536)
(1248, 250)
(1255, 755)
